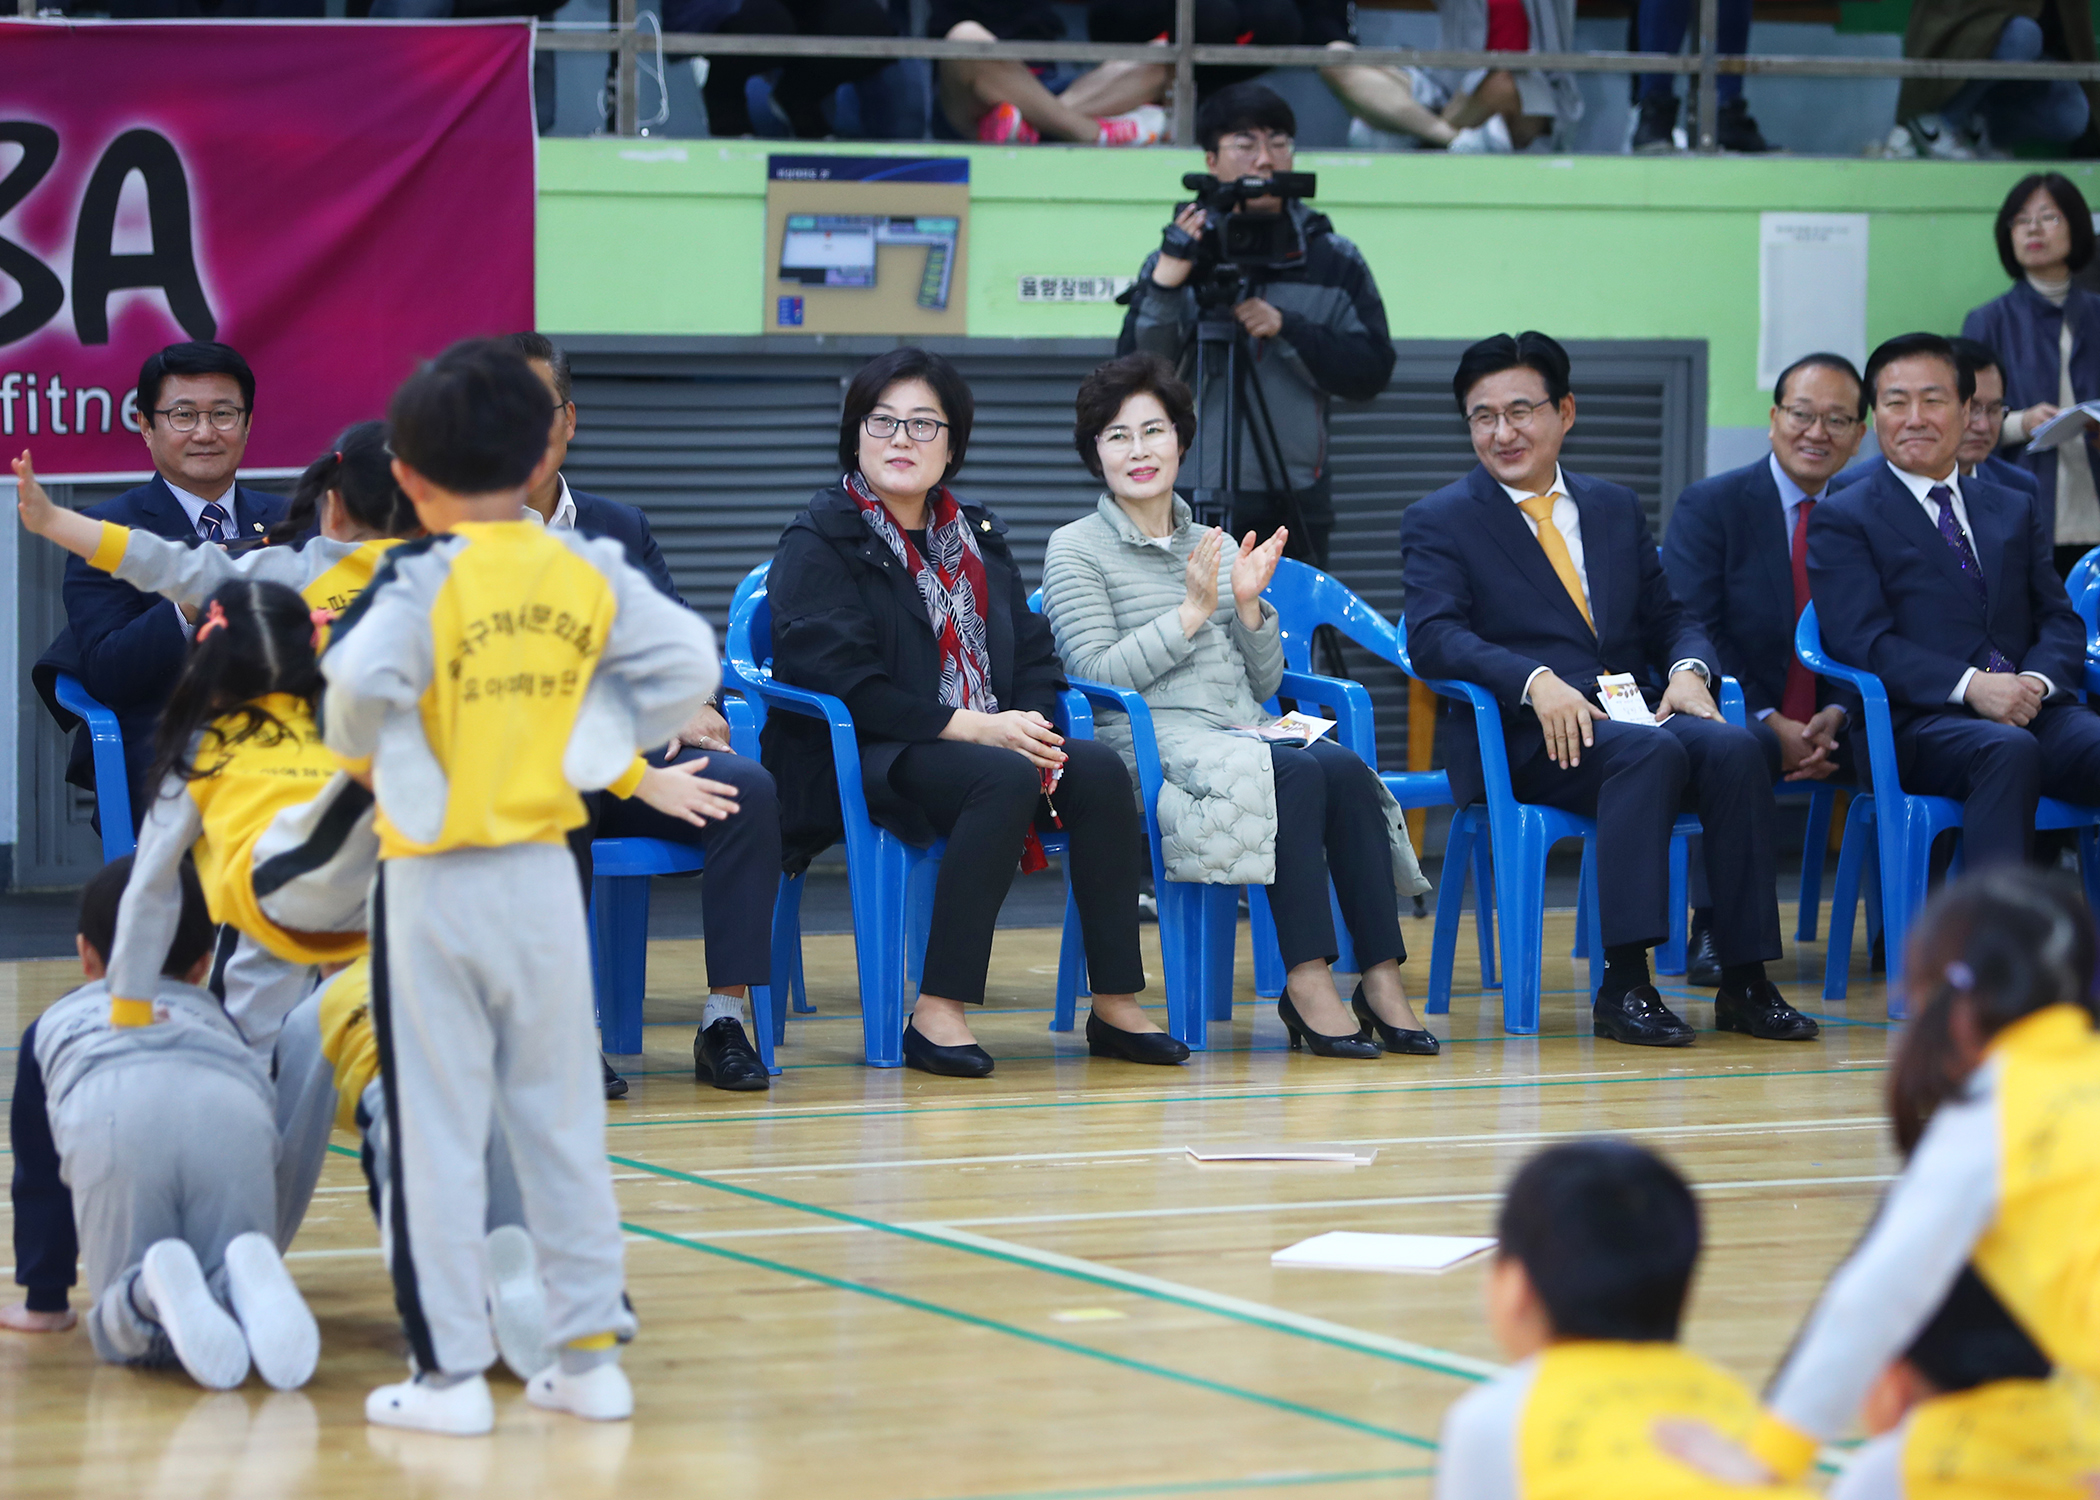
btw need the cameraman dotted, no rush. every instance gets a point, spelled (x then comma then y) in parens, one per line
(1316, 327)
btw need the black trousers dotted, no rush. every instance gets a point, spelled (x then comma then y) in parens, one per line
(1634, 781)
(984, 799)
(1328, 821)
(805, 82)
(742, 874)
(1999, 771)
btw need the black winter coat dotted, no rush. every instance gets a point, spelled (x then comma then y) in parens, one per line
(848, 621)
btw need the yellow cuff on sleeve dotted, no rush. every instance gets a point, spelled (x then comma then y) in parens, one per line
(130, 1012)
(629, 779)
(1783, 1448)
(592, 1342)
(110, 550)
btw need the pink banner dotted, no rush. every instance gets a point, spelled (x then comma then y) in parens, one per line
(334, 199)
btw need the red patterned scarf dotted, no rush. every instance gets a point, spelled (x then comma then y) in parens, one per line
(951, 582)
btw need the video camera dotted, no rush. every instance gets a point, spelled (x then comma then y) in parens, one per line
(1249, 241)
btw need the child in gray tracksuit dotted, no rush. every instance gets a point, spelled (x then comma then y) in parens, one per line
(166, 1137)
(490, 671)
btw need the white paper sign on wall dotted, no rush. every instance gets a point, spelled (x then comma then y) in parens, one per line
(1811, 289)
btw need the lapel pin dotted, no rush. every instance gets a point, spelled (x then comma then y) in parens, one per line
(986, 525)
(258, 525)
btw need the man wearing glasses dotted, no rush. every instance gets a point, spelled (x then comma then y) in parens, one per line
(195, 402)
(1538, 585)
(1944, 585)
(1737, 555)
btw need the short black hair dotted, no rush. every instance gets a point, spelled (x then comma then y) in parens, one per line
(1916, 346)
(1608, 1233)
(193, 358)
(1103, 392)
(1972, 1340)
(1530, 350)
(1975, 356)
(1823, 361)
(194, 932)
(475, 419)
(534, 345)
(1242, 106)
(958, 406)
(2069, 202)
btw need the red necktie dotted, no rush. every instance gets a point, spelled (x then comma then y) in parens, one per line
(1799, 700)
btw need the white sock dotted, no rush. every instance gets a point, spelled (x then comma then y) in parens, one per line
(720, 1007)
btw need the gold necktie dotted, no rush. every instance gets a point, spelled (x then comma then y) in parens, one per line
(1540, 509)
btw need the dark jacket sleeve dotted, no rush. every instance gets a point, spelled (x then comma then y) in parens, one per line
(649, 557)
(1694, 555)
(129, 655)
(1351, 355)
(1853, 613)
(1439, 612)
(825, 640)
(47, 1249)
(1161, 319)
(1668, 630)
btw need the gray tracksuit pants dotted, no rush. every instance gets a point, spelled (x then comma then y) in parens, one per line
(155, 1150)
(481, 1000)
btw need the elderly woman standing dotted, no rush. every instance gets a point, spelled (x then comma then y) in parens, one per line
(1141, 598)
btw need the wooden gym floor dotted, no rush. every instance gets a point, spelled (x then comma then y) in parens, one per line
(885, 1286)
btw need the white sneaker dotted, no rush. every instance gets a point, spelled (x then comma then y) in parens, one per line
(462, 1410)
(1364, 136)
(1144, 126)
(206, 1339)
(600, 1394)
(282, 1337)
(1931, 136)
(518, 1302)
(1483, 140)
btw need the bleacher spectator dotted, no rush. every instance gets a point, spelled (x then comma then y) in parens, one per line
(1947, 118)
(1381, 101)
(1495, 110)
(805, 84)
(1662, 26)
(1006, 102)
(1219, 23)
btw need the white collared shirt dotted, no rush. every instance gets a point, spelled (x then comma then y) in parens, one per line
(564, 510)
(193, 507)
(1921, 485)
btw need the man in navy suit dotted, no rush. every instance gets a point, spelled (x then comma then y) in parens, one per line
(1944, 585)
(1979, 444)
(195, 411)
(742, 869)
(1534, 584)
(1737, 555)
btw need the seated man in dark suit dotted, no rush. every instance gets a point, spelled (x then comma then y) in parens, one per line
(195, 408)
(742, 872)
(1534, 584)
(1737, 555)
(1944, 586)
(1979, 444)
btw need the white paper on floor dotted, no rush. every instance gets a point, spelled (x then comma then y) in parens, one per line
(1349, 1250)
(1351, 1156)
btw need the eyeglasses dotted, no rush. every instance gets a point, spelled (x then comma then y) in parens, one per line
(186, 418)
(1121, 439)
(1519, 414)
(1799, 419)
(2045, 221)
(1992, 410)
(919, 429)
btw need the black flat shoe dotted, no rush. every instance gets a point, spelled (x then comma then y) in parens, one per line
(615, 1085)
(1104, 1040)
(1702, 967)
(1392, 1038)
(968, 1061)
(1762, 1012)
(1318, 1043)
(724, 1057)
(1640, 1019)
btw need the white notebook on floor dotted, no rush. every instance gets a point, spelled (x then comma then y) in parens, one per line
(1349, 1250)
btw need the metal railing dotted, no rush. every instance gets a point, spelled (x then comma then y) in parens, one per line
(623, 37)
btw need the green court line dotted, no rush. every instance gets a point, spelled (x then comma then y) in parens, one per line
(1210, 1486)
(903, 1231)
(1029, 1335)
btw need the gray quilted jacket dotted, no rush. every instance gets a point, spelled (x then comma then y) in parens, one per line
(1113, 598)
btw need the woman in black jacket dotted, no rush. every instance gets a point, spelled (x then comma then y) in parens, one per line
(892, 594)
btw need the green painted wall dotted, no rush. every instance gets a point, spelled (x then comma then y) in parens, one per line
(647, 237)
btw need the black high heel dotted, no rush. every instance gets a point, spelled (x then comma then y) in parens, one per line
(1318, 1043)
(1393, 1038)
(1104, 1040)
(966, 1061)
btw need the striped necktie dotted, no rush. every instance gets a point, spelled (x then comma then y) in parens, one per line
(212, 522)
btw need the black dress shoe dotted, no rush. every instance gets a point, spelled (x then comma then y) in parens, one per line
(724, 1057)
(1392, 1038)
(968, 1061)
(1318, 1043)
(615, 1085)
(1702, 966)
(1104, 1040)
(1762, 1012)
(1640, 1019)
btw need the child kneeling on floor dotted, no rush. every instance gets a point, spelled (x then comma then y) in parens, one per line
(1598, 1240)
(163, 1119)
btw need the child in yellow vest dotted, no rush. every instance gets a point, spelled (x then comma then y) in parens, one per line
(1969, 1413)
(1597, 1241)
(1995, 1092)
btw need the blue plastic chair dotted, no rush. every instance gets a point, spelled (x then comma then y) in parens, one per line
(891, 882)
(1904, 826)
(112, 780)
(2084, 578)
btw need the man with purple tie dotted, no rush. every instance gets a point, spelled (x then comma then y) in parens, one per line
(1945, 587)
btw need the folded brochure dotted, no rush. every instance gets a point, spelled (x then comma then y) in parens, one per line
(2064, 426)
(1292, 728)
(1350, 1250)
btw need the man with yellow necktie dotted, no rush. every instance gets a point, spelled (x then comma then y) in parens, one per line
(1535, 583)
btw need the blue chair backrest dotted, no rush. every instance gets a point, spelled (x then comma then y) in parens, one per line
(1487, 720)
(1881, 733)
(112, 779)
(1306, 598)
(747, 653)
(2084, 582)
